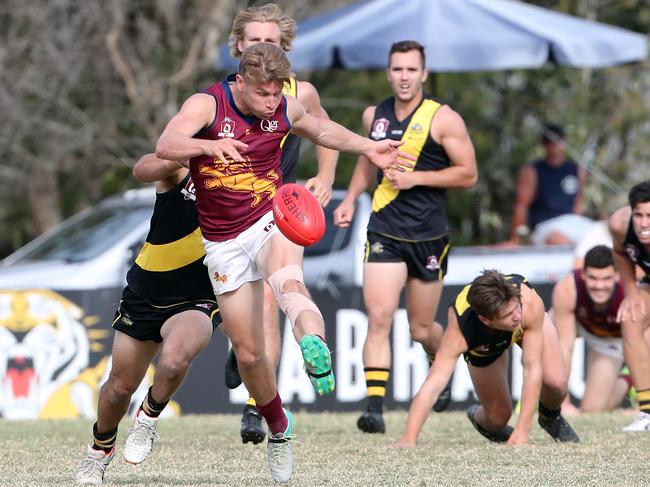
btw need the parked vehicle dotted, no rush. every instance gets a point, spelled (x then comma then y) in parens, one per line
(95, 248)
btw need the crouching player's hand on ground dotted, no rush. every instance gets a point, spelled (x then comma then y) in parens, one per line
(400, 445)
(518, 438)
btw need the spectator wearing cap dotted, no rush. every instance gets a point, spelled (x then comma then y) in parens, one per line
(549, 196)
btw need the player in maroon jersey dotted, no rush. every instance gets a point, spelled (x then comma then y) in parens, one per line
(585, 303)
(232, 134)
(267, 23)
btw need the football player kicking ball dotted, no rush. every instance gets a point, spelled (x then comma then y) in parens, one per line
(486, 318)
(267, 23)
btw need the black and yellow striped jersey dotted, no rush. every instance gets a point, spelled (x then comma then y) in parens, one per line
(291, 142)
(169, 268)
(636, 251)
(485, 343)
(419, 213)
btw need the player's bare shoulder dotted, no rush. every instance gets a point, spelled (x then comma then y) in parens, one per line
(619, 222)
(447, 122)
(367, 117)
(564, 293)
(307, 93)
(295, 109)
(532, 306)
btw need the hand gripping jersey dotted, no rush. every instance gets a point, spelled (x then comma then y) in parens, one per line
(232, 196)
(600, 323)
(419, 213)
(169, 268)
(485, 344)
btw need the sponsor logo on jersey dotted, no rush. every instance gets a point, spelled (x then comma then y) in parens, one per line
(189, 192)
(632, 252)
(379, 128)
(269, 125)
(227, 128)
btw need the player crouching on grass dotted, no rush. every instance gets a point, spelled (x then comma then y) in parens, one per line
(489, 315)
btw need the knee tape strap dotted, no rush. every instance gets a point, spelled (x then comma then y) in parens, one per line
(291, 303)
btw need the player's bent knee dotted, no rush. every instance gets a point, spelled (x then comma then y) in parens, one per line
(174, 365)
(119, 390)
(420, 332)
(248, 357)
(380, 318)
(291, 294)
(558, 385)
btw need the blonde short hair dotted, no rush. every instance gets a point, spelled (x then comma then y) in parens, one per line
(266, 13)
(264, 62)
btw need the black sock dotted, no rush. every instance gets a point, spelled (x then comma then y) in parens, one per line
(376, 379)
(104, 441)
(548, 413)
(151, 407)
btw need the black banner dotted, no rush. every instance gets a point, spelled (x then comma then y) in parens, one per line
(56, 354)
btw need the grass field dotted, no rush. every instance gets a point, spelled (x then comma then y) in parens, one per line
(206, 450)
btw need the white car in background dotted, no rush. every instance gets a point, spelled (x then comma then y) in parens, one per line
(94, 248)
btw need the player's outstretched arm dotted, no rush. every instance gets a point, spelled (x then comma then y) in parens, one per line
(150, 168)
(383, 154)
(564, 305)
(532, 346)
(321, 184)
(177, 143)
(364, 173)
(166, 174)
(526, 189)
(453, 344)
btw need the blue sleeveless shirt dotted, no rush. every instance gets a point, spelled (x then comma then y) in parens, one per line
(557, 188)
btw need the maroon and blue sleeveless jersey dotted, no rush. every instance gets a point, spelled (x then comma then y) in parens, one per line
(600, 323)
(232, 196)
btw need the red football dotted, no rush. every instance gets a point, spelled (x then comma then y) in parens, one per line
(298, 214)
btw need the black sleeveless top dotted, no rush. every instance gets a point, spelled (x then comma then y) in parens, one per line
(419, 213)
(637, 251)
(291, 143)
(169, 268)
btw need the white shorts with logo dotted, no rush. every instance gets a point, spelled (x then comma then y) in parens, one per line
(610, 346)
(231, 263)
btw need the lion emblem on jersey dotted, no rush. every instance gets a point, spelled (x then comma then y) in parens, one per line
(239, 177)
